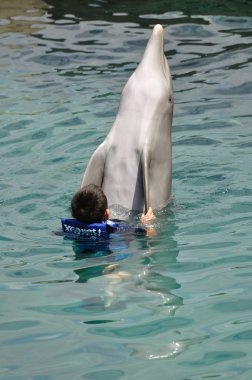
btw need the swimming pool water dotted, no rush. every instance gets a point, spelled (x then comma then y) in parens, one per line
(175, 306)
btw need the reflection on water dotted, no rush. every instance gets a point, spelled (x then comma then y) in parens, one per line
(155, 276)
(116, 261)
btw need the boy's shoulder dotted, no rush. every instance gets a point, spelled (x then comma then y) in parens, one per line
(123, 227)
(111, 225)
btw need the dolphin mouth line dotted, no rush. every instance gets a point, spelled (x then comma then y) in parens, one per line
(164, 66)
(159, 30)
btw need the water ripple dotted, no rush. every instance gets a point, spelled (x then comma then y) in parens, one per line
(140, 301)
(142, 330)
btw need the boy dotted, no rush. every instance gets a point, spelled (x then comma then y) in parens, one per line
(89, 205)
(91, 218)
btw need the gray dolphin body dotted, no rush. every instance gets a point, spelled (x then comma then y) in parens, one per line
(133, 165)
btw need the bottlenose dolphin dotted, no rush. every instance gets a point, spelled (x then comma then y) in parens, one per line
(133, 165)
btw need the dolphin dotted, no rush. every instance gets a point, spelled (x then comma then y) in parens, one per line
(133, 165)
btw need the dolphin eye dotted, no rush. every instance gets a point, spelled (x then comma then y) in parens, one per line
(170, 99)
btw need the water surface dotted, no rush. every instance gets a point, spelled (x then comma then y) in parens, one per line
(175, 306)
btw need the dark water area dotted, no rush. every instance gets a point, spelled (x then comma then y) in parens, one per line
(131, 10)
(176, 305)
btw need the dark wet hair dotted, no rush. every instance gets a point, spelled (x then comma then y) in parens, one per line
(89, 204)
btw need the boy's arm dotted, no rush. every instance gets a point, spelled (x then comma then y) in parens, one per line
(147, 218)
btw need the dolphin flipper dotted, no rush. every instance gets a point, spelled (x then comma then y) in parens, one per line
(155, 185)
(95, 169)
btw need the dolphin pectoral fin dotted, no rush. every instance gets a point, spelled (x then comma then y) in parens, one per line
(146, 176)
(95, 169)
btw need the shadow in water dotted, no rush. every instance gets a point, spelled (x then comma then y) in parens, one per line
(100, 258)
(136, 262)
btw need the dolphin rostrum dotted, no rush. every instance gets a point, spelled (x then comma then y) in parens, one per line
(133, 165)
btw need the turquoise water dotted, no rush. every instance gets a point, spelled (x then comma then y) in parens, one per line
(175, 306)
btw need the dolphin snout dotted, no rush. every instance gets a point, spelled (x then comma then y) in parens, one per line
(158, 30)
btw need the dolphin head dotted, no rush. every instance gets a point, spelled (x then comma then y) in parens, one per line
(149, 89)
(154, 61)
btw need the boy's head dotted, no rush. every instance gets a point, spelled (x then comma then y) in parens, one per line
(89, 205)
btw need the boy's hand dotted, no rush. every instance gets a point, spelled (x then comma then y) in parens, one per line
(148, 217)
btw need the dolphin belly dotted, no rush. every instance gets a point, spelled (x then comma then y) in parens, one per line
(123, 181)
